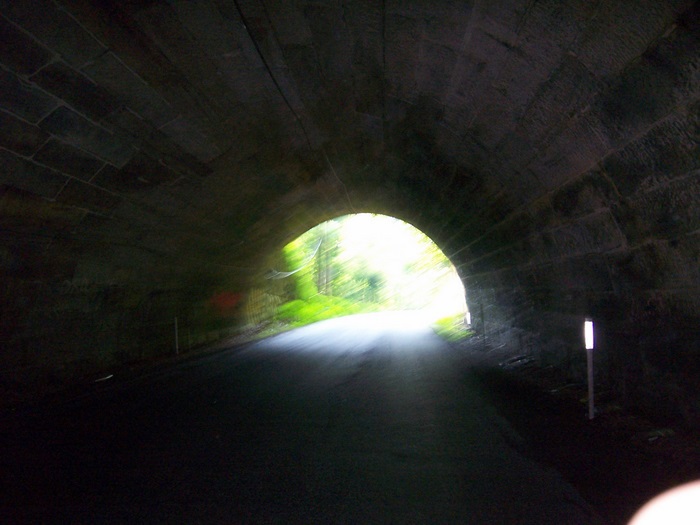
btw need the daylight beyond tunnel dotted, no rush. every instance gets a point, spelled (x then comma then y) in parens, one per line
(363, 263)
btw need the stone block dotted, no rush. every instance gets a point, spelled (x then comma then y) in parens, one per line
(77, 130)
(486, 209)
(66, 83)
(421, 9)
(289, 24)
(574, 151)
(19, 51)
(495, 120)
(20, 136)
(503, 235)
(602, 233)
(522, 75)
(678, 55)
(104, 175)
(400, 73)
(199, 82)
(596, 233)
(67, 159)
(642, 96)
(23, 99)
(495, 261)
(436, 69)
(668, 150)
(140, 173)
(97, 223)
(567, 92)
(252, 89)
(54, 28)
(88, 196)
(656, 266)
(109, 72)
(607, 46)
(26, 175)
(135, 218)
(332, 40)
(26, 259)
(517, 148)
(191, 139)
(449, 30)
(583, 195)
(23, 214)
(588, 272)
(155, 143)
(665, 212)
(559, 22)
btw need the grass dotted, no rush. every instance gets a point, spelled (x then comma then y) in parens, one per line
(452, 328)
(319, 308)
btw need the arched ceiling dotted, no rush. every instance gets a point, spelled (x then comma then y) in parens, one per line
(157, 151)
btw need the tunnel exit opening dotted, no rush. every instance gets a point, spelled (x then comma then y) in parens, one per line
(365, 263)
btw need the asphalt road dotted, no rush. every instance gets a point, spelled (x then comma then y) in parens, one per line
(367, 419)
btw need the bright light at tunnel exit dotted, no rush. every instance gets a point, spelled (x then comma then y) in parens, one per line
(367, 262)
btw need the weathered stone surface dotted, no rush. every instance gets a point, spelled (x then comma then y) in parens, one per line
(141, 172)
(77, 130)
(670, 149)
(657, 265)
(159, 22)
(23, 99)
(666, 211)
(571, 153)
(55, 28)
(20, 136)
(88, 196)
(25, 214)
(597, 233)
(66, 83)
(562, 96)
(109, 72)
(67, 159)
(584, 195)
(28, 262)
(191, 139)
(142, 135)
(20, 52)
(607, 46)
(26, 175)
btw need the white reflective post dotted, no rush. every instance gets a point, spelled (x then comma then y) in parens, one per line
(590, 343)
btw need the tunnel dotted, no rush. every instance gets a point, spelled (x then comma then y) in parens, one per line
(156, 155)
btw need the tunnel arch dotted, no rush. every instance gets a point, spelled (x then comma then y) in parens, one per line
(154, 154)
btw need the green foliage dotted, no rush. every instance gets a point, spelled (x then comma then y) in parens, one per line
(318, 308)
(361, 263)
(296, 254)
(452, 328)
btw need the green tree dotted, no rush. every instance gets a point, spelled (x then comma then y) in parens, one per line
(342, 267)
(297, 255)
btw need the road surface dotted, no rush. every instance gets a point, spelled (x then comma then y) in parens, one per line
(366, 419)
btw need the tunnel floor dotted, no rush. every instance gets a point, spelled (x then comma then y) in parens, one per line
(618, 462)
(339, 422)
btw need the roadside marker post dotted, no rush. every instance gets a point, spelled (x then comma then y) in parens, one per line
(590, 344)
